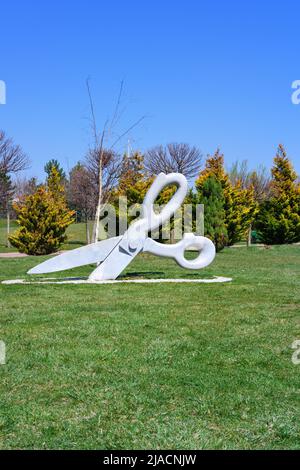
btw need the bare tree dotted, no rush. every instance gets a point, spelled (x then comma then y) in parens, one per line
(12, 161)
(175, 157)
(258, 179)
(110, 170)
(239, 174)
(102, 160)
(12, 157)
(25, 187)
(82, 194)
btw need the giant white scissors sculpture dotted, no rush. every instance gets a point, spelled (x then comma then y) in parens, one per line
(116, 253)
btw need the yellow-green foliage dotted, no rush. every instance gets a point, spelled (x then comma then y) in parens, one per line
(43, 218)
(279, 219)
(134, 184)
(239, 203)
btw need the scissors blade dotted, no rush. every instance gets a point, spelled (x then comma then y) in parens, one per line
(119, 258)
(89, 254)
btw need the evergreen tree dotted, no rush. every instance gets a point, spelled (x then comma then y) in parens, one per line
(43, 218)
(279, 218)
(56, 187)
(7, 189)
(212, 197)
(133, 183)
(54, 164)
(239, 203)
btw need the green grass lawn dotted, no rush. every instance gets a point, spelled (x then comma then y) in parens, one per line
(3, 235)
(134, 366)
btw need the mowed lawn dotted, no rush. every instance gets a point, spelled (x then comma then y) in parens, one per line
(3, 235)
(176, 366)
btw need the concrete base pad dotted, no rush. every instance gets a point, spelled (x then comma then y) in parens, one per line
(216, 279)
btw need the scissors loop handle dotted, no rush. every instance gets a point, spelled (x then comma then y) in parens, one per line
(161, 181)
(204, 245)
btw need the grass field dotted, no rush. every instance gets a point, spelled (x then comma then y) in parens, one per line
(3, 247)
(154, 366)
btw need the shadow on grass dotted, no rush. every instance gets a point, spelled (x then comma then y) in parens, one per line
(75, 242)
(141, 274)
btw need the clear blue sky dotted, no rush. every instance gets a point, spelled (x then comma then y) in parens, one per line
(208, 73)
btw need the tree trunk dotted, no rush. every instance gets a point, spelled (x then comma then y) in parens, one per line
(172, 235)
(249, 237)
(8, 227)
(98, 209)
(97, 222)
(88, 240)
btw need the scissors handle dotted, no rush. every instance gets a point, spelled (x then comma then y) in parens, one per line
(205, 247)
(161, 181)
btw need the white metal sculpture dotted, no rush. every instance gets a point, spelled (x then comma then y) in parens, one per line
(116, 253)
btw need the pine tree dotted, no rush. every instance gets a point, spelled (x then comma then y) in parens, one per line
(240, 209)
(212, 197)
(6, 190)
(239, 203)
(133, 183)
(54, 164)
(279, 218)
(214, 165)
(55, 186)
(43, 218)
